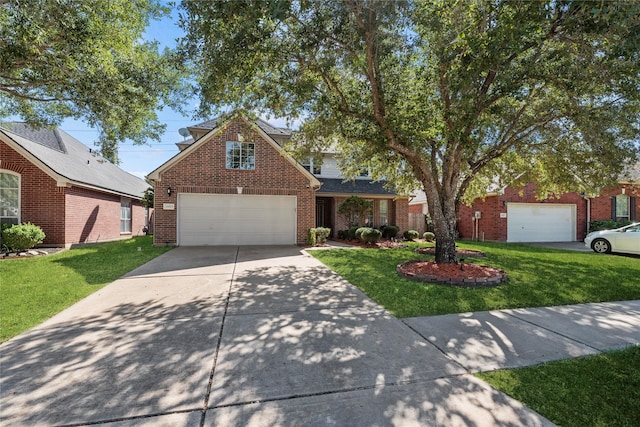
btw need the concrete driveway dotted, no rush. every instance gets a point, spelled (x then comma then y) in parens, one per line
(256, 336)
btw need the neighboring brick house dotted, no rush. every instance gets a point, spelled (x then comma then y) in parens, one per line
(232, 183)
(54, 181)
(515, 215)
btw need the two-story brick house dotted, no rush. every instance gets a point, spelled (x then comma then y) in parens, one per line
(233, 183)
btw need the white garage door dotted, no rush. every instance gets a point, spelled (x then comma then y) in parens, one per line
(236, 219)
(541, 222)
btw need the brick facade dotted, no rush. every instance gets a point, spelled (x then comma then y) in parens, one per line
(203, 170)
(398, 213)
(67, 215)
(492, 227)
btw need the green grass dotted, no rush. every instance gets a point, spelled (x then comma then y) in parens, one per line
(602, 390)
(34, 289)
(538, 277)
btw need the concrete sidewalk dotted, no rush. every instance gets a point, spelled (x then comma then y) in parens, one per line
(264, 336)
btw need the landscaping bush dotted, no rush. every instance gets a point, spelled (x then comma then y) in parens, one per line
(322, 233)
(21, 237)
(311, 237)
(343, 234)
(352, 232)
(318, 235)
(390, 231)
(410, 235)
(429, 236)
(370, 235)
(607, 224)
(359, 232)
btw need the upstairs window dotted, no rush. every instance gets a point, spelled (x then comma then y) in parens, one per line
(241, 155)
(9, 198)
(309, 165)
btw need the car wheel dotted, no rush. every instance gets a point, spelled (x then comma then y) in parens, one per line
(601, 246)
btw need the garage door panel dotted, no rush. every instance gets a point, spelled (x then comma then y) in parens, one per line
(216, 219)
(538, 222)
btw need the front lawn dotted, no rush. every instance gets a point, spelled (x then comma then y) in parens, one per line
(601, 390)
(34, 289)
(538, 277)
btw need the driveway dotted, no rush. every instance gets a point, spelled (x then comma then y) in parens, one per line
(256, 336)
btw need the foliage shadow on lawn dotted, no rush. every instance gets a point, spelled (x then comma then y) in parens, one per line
(537, 277)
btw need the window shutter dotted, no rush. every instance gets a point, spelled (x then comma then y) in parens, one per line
(632, 208)
(613, 208)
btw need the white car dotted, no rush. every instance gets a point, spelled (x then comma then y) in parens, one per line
(625, 240)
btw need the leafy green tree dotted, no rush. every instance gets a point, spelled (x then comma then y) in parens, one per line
(355, 210)
(453, 96)
(86, 59)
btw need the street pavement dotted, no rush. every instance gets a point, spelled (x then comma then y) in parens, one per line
(264, 336)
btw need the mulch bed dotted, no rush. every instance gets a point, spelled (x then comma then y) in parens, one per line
(459, 275)
(461, 253)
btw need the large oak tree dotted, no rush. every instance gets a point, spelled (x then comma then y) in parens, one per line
(453, 95)
(86, 59)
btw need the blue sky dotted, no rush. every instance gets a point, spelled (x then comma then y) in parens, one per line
(139, 160)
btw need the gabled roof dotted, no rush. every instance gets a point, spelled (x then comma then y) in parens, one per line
(357, 186)
(219, 126)
(264, 126)
(69, 161)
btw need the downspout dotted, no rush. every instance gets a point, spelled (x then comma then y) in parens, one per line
(584, 196)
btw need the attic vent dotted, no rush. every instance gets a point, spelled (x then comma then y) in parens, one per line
(240, 138)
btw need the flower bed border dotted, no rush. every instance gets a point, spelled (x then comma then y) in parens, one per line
(480, 282)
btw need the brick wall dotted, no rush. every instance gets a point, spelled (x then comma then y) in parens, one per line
(41, 200)
(601, 205)
(95, 217)
(204, 171)
(401, 212)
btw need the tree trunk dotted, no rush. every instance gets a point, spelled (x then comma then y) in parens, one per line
(443, 215)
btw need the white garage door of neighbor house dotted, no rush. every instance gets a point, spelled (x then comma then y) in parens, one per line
(541, 222)
(236, 219)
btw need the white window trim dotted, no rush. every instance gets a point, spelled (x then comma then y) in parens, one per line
(19, 193)
(130, 219)
(226, 155)
(386, 222)
(628, 200)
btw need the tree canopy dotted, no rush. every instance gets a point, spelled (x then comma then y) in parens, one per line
(453, 96)
(86, 59)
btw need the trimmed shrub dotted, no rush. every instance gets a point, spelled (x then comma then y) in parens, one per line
(359, 232)
(343, 234)
(429, 236)
(322, 233)
(410, 235)
(22, 237)
(352, 232)
(311, 237)
(390, 231)
(370, 235)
